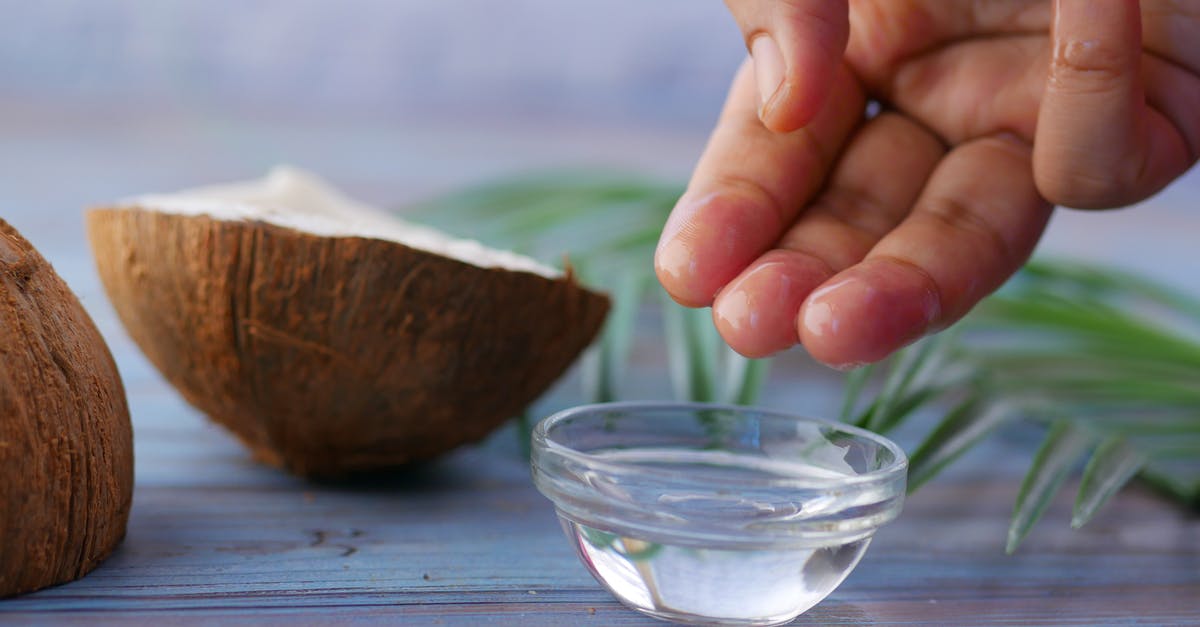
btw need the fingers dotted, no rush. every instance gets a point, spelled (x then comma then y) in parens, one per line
(1170, 30)
(748, 187)
(965, 69)
(871, 189)
(975, 223)
(974, 88)
(796, 46)
(1097, 144)
(888, 34)
(1173, 91)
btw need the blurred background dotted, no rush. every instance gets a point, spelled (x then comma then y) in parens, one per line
(390, 99)
(394, 101)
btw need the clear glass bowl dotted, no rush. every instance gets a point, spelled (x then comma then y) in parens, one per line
(716, 514)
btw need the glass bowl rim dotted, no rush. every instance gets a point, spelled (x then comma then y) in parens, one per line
(541, 441)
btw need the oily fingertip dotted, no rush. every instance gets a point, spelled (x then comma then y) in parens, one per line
(866, 314)
(756, 312)
(707, 242)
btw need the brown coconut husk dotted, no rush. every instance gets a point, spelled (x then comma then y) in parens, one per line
(336, 355)
(66, 449)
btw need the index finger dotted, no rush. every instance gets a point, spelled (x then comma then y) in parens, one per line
(748, 187)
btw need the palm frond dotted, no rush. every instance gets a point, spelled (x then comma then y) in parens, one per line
(744, 378)
(1065, 444)
(691, 352)
(963, 427)
(1108, 360)
(1111, 357)
(1112, 464)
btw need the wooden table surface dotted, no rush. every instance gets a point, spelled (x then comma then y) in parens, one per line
(215, 538)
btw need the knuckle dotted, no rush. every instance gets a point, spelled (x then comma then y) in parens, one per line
(828, 27)
(958, 217)
(874, 46)
(755, 194)
(856, 209)
(1088, 65)
(1083, 188)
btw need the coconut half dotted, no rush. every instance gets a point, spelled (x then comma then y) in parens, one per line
(329, 336)
(66, 447)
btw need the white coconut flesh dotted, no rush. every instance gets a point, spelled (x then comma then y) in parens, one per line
(298, 200)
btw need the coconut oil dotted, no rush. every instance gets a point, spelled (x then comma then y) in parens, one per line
(686, 579)
(716, 515)
(713, 585)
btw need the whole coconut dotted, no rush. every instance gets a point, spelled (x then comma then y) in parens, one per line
(66, 450)
(330, 337)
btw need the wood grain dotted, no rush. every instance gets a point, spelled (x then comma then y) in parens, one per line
(215, 538)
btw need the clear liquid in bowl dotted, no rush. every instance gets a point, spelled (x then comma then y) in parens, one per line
(735, 583)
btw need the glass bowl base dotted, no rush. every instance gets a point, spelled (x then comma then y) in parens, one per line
(713, 586)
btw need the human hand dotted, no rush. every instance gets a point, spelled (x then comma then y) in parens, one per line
(858, 236)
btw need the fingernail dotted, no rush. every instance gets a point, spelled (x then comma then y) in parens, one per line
(769, 69)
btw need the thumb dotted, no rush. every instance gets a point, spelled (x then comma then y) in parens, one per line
(796, 46)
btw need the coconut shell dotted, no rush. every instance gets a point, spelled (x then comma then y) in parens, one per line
(66, 449)
(336, 355)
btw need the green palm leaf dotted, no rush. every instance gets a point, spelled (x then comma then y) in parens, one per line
(691, 352)
(1112, 465)
(962, 428)
(1065, 444)
(603, 364)
(1114, 358)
